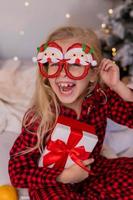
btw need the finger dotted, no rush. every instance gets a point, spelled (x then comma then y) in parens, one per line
(108, 67)
(104, 60)
(101, 63)
(88, 162)
(111, 66)
(104, 64)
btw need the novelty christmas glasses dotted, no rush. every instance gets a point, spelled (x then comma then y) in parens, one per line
(76, 61)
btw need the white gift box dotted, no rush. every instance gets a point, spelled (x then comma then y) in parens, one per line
(62, 132)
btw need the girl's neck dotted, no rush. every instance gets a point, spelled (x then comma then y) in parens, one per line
(76, 106)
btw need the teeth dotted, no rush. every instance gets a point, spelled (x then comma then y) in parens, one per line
(65, 84)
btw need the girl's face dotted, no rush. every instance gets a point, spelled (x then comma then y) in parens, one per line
(68, 91)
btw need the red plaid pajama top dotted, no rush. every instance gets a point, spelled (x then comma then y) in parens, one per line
(113, 177)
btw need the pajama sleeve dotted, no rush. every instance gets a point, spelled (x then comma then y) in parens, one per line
(24, 170)
(119, 110)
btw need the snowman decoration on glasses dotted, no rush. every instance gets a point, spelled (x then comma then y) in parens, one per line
(76, 61)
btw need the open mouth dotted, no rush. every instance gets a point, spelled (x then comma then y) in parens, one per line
(66, 87)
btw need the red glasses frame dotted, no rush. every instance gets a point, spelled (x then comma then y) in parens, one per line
(63, 64)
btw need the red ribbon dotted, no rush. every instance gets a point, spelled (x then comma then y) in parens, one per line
(59, 151)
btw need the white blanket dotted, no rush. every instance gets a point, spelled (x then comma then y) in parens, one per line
(17, 82)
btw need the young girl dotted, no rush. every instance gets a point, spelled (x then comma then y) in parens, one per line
(75, 81)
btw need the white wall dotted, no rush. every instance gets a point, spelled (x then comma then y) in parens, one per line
(40, 18)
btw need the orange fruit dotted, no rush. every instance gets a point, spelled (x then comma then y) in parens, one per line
(8, 192)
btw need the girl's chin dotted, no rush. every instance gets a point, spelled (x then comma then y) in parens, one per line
(66, 100)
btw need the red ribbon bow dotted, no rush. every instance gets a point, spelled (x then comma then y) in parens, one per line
(59, 151)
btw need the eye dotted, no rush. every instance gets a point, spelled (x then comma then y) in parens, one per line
(76, 65)
(74, 54)
(45, 66)
(82, 55)
(52, 54)
(53, 65)
(45, 54)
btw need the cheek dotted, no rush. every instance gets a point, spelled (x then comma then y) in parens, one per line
(84, 82)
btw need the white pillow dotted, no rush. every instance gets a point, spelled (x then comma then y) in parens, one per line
(118, 137)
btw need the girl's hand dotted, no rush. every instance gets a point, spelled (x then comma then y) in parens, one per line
(74, 173)
(109, 73)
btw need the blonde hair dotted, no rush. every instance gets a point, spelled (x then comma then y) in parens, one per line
(45, 104)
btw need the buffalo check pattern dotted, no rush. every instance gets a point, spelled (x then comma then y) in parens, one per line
(113, 179)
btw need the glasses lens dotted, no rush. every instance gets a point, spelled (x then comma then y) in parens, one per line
(76, 70)
(53, 68)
